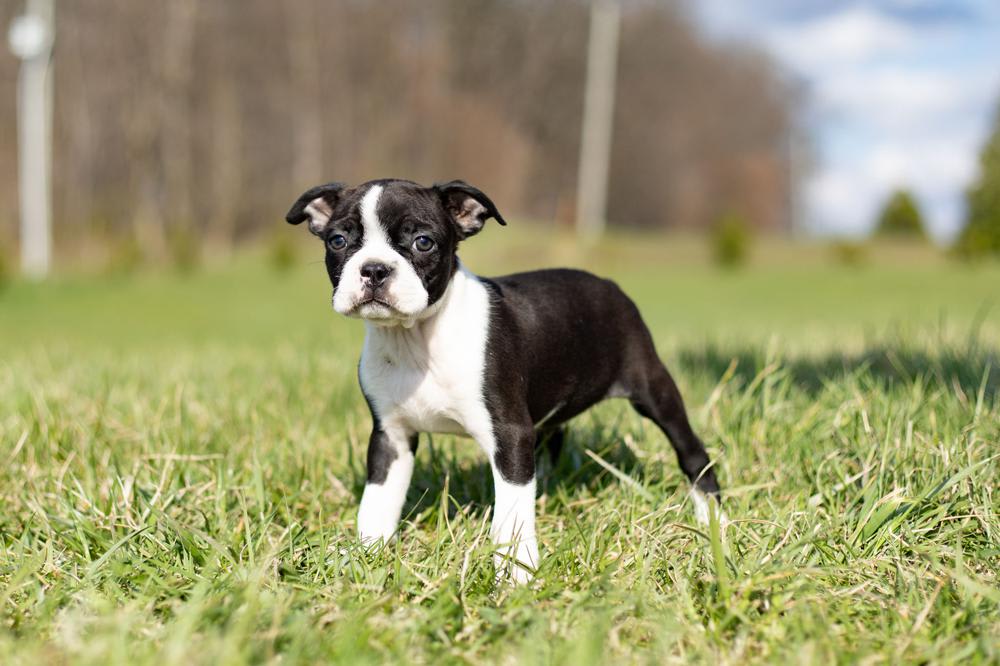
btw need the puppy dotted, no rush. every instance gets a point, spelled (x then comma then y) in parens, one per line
(504, 360)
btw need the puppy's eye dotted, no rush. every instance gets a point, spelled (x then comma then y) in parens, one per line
(337, 242)
(423, 244)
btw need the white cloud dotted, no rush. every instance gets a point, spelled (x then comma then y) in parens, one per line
(895, 98)
(903, 127)
(846, 201)
(898, 102)
(855, 35)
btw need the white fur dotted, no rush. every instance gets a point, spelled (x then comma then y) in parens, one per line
(513, 529)
(319, 213)
(406, 294)
(701, 510)
(428, 377)
(382, 504)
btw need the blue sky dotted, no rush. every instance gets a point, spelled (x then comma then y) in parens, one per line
(901, 93)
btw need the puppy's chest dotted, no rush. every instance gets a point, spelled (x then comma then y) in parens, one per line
(433, 387)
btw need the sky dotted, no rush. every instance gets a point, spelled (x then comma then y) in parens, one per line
(900, 93)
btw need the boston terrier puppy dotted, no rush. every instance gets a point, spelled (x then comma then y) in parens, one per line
(504, 360)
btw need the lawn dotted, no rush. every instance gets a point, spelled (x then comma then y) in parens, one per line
(182, 457)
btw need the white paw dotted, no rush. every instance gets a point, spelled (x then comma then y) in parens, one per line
(701, 509)
(373, 541)
(375, 527)
(516, 563)
(382, 503)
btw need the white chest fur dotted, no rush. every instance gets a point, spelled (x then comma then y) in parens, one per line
(429, 377)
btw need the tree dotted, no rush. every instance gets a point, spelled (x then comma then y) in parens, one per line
(187, 120)
(981, 234)
(901, 218)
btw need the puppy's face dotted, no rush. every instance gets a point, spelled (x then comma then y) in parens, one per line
(390, 244)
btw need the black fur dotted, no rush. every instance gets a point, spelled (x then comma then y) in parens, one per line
(330, 192)
(381, 455)
(561, 341)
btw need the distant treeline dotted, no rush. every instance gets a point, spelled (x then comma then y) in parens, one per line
(206, 118)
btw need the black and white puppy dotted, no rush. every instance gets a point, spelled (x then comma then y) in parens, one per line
(502, 360)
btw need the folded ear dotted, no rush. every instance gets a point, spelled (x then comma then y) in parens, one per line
(315, 205)
(468, 207)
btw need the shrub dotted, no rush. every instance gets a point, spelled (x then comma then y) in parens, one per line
(185, 250)
(901, 218)
(125, 256)
(977, 241)
(731, 240)
(849, 253)
(282, 252)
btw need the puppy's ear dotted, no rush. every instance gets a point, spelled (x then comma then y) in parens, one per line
(468, 207)
(315, 205)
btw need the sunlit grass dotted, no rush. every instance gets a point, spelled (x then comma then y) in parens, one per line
(182, 458)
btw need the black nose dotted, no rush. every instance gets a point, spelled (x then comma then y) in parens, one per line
(375, 273)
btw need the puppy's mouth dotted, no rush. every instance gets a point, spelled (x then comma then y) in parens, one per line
(371, 306)
(373, 300)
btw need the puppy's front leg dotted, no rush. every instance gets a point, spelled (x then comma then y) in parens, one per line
(390, 467)
(513, 530)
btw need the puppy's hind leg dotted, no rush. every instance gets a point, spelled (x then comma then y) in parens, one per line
(554, 441)
(655, 396)
(548, 450)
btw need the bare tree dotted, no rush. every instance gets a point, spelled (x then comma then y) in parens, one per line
(205, 116)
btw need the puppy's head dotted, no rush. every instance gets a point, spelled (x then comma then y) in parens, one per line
(390, 244)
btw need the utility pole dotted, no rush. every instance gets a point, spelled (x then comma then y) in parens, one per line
(598, 118)
(31, 36)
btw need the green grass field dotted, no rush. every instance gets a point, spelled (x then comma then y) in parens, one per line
(181, 459)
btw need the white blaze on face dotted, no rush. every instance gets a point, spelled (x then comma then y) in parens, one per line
(404, 291)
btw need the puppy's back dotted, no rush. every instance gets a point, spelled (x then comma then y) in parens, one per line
(564, 336)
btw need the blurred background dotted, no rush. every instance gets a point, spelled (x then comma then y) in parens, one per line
(208, 118)
(743, 169)
(184, 129)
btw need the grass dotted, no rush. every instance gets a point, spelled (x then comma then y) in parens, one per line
(182, 458)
